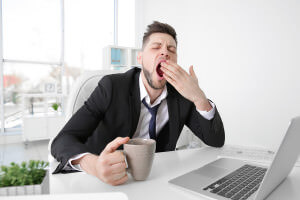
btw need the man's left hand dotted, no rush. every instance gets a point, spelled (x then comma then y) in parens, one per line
(186, 84)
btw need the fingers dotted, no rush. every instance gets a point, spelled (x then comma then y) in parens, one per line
(170, 71)
(115, 157)
(169, 74)
(118, 168)
(192, 73)
(115, 174)
(111, 166)
(169, 79)
(114, 145)
(111, 173)
(174, 68)
(174, 71)
(121, 181)
(116, 179)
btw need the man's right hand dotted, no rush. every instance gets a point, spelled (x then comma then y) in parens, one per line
(109, 166)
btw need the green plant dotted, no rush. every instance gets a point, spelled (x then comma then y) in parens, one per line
(28, 173)
(55, 106)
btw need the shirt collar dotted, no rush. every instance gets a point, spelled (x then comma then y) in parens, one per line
(144, 93)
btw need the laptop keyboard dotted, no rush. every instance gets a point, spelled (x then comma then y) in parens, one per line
(240, 184)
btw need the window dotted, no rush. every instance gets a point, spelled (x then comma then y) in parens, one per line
(24, 78)
(31, 30)
(32, 54)
(47, 44)
(126, 23)
(89, 26)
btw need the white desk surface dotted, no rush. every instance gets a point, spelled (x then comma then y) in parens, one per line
(166, 166)
(88, 196)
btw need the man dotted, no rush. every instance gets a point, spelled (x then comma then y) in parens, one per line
(155, 102)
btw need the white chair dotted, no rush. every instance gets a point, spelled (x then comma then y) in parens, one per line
(80, 92)
(188, 140)
(82, 89)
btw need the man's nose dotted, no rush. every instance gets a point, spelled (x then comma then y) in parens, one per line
(164, 52)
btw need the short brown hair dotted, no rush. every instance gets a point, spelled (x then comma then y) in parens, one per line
(158, 27)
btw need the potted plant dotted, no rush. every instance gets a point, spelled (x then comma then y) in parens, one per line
(27, 178)
(55, 106)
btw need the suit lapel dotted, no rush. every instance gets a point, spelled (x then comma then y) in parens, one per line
(135, 103)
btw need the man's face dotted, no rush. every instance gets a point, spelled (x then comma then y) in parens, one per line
(159, 48)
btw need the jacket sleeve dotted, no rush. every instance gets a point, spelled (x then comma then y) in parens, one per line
(71, 139)
(211, 132)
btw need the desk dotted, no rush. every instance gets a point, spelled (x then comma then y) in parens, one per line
(166, 165)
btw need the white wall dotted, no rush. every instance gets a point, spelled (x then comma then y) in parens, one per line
(246, 55)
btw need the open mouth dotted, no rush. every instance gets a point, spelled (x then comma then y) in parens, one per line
(158, 69)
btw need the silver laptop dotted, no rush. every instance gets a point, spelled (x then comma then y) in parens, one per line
(234, 179)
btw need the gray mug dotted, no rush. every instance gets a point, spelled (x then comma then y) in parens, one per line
(139, 156)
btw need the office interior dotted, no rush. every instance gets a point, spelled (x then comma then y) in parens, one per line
(245, 55)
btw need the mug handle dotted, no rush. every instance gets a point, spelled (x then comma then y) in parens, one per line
(127, 166)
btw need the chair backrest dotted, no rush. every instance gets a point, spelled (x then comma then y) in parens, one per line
(82, 89)
(80, 92)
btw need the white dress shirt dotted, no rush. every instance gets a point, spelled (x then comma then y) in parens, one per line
(162, 117)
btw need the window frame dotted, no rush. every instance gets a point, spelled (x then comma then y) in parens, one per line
(61, 62)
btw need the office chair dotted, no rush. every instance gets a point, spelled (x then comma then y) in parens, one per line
(81, 90)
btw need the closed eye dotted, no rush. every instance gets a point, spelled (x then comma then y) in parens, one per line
(173, 50)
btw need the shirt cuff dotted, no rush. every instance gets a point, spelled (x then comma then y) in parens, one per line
(208, 114)
(75, 167)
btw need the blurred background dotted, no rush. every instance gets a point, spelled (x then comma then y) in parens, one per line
(245, 54)
(45, 46)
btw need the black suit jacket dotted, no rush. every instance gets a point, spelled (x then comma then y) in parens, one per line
(113, 110)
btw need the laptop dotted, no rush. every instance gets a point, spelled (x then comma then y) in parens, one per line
(227, 178)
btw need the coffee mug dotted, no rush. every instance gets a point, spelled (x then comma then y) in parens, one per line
(139, 156)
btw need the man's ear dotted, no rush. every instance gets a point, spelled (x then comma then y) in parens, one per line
(140, 57)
